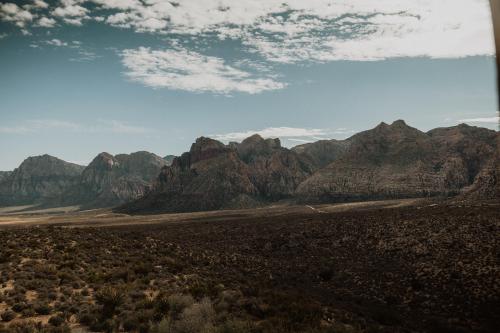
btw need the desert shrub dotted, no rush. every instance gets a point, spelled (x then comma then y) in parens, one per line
(131, 323)
(24, 327)
(142, 269)
(177, 304)
(237, 326)
(56, 320)
(43, 309)
(8, 316)
(19, 307)
(110, 298)
(28, 312)
(199, 317)
(106, 325)
(85, 292)
(51, 295)
(137, 294)
(164, 326)
(200, 290)
(161, 307)
(87, 317)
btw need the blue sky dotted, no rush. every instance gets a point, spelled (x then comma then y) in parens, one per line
(79, 77)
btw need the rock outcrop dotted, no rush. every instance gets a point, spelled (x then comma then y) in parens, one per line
(275, 171)
(486, 184)
(169, 159)
(4, 175)
(216, 176)
(39, 179)
(208, 177)
(112, 180)
(395, 161)
(323, 152)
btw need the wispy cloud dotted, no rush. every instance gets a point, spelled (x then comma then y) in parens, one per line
(181, 69)
(56, 42)
(273, 132)
(486, 120)
(15, 130)
(101, 126)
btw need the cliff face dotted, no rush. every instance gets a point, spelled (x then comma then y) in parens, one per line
(210, 176)
(215, 176)
(486, 184)
(323, 152)
(111, 180)
(389, 161)
(275, 171)
(38, 179)
(169, 159)
(394, 161)
(4, 175)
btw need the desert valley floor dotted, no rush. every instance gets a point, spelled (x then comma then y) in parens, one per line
(390, 266)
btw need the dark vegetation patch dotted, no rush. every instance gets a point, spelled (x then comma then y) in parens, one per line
(428, 269)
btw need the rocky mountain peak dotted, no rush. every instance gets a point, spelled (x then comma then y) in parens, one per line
(37, 179)
(205, 148)
(103, 161)
(399, 123)
(47, 165)
(255, 146)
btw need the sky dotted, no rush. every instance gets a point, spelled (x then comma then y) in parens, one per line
(78, 77)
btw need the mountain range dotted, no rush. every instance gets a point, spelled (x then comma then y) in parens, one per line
(388, 161)
(107, 181)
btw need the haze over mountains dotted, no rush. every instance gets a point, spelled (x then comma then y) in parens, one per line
(388, 161)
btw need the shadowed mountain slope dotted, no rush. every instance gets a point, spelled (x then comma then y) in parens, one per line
(394, 161)
(215, 176)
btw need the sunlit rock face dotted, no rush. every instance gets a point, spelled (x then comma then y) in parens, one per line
(112, 180)
(38, 179)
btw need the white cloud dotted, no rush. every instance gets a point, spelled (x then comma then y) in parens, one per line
(119, 127)
(290, 31)
(74, 21)
(10, 12)
(14, 130)
(322, 30)
(40, 4)
(56, 42)
(486, 120)
(70, 8)
(290, 133)
(3, 35)
(46, 22)
(84, 56)
(182, 69)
